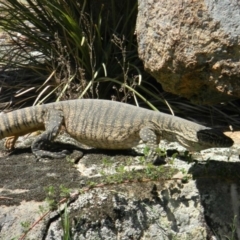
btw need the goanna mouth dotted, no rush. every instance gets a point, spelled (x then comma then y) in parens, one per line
(214, 138)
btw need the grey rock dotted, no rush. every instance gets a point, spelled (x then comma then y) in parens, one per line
(206, 206)
(192, 47)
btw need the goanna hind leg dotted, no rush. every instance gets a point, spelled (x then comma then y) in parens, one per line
(53, 120)
(151, 140)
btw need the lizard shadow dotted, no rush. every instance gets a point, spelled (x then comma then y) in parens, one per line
(71, 149)
(56, 146)
(218, 189)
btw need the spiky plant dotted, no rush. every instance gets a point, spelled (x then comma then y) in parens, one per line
(75, 48)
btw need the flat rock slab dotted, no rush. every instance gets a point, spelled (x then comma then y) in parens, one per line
(22, 178)
(200, 201)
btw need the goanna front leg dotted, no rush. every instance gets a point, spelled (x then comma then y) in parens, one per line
(53, 119)
(151, 140)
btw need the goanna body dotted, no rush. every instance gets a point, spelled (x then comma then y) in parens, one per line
(109, 125)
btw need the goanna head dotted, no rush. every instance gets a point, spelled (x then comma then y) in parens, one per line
(206, 138)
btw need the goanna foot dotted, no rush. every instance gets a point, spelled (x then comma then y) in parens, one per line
(10, 142)
(39, 150)
(48, 154)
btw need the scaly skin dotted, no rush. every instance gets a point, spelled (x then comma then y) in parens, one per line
(107, 125)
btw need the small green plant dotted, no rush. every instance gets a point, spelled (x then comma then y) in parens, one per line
(50, 199)
(146, 151)
(50, 190)
(66, 224)
(25, 225)
(122, 174)
(107, 162)
(42, 209)
(142, 160)
(188, 156)
(64, 191)
(120, 169)
(150, 170)
(186, 176)
(173, 157)
(129, 161)
(161, 152)
(91, 184)
(233, 227)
